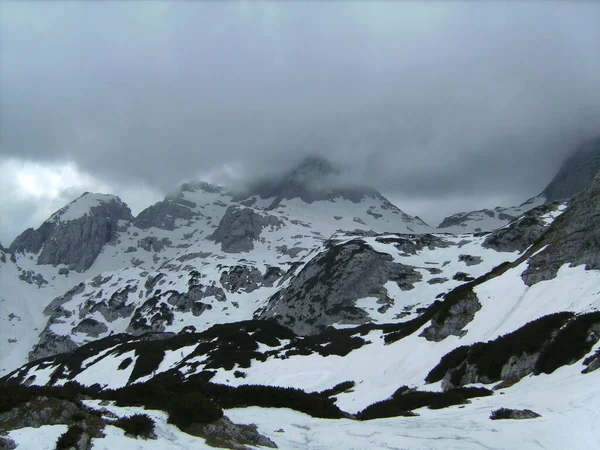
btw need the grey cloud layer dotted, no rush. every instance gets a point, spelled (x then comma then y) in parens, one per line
(435, 98)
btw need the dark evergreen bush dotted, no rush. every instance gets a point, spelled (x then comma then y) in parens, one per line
(338, 389)
(148, 359)
(490, 357)
(501, 413)
(405, 400)
(184, 404)
(570, 344)
(137, 425)
(125, 364)
(69, 438)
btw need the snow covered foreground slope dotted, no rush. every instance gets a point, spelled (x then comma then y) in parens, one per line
(423, 297)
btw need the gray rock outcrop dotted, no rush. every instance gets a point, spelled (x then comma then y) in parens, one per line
(154, 244)
(521, 233)
(91, 327)
(573, 238)
(31, 241)
(240, 227)
(325, 291)
(51, 344)
(248, 279)
(76, 242)
(164, 214)
(515, 414)
(451, 321)
(470, 260)
(224, 433)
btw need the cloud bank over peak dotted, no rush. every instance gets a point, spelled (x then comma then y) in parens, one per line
(433, 101)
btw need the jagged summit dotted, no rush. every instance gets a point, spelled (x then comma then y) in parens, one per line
(82, 206)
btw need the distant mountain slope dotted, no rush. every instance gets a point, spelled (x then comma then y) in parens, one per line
(208, 301)
(486, 219)
(248, 242)
(533, 341)
(576, 173)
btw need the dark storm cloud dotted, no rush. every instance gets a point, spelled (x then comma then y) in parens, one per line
(428, 99)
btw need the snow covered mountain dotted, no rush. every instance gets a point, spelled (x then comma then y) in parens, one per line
(369, 328)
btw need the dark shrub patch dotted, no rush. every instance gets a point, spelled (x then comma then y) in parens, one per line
(570, 344)
(78, 416)
(404, 400)
(69, 438)
(448, 361)
(183, 404)
(342, 347)
(272, 397)
(490, 357)
(137, 425)
(338, 389)
(501, 413)
(125, 364)
(191, 407)
(148, 359)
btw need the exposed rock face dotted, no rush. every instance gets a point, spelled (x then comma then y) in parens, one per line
(516, 414)
(116, 307)
(7, 443)
(452, 321)
(225, 433)
(240, 227)
(156, 313)
(576, 173)
(30, 277)
(55, 310)
(573, 238)
(173, 208)
(75, 242)
(248, 279)
(327, 288)
(164, 214)
(522, 233)
(41, 411)
(91, 327)
(51, 344)
(411, 244)
(154, 244)
(470, 260)
(31, 241)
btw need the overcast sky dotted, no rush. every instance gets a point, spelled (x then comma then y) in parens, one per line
(443, 107)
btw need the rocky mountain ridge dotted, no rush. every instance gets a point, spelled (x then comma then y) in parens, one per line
(335, 307)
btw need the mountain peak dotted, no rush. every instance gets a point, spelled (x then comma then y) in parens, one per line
(82, 206)
(314, 166)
